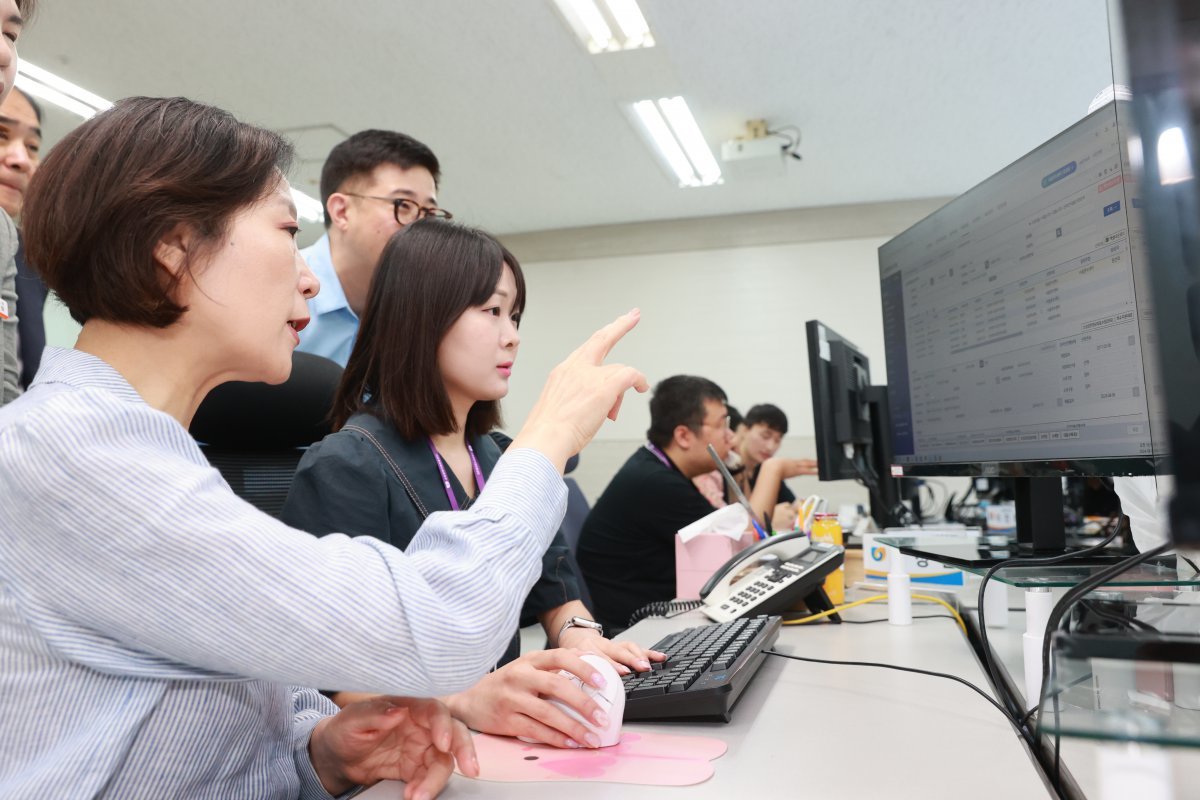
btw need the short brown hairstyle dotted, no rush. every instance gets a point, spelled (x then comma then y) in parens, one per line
(430, 272)
(116, 185)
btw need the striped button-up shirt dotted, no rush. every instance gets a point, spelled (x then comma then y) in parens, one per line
(153, 626)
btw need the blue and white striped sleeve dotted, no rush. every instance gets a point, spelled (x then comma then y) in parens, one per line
(138, 560)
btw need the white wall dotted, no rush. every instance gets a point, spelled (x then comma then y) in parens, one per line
(732, 314)
(61, 330)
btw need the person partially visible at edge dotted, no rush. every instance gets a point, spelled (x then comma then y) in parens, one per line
(14, 16)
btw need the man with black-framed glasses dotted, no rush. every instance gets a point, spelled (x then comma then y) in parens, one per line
(372, 185)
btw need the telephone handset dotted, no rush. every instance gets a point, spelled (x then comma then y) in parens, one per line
(772, 576)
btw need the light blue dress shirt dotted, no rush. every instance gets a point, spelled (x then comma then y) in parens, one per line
(333, 327)
(153, 626)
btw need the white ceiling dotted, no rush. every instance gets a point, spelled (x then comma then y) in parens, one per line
(895, 98)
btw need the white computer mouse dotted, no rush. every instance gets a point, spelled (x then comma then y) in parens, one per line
(611, 700)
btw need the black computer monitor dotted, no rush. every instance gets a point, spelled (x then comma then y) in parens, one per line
(1013, 327)
(851, 421)
(1163, 39)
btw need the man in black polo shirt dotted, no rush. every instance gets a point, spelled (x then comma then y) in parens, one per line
(626, 550)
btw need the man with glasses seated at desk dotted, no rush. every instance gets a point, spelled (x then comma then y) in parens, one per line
(626, 549)
(372, 185)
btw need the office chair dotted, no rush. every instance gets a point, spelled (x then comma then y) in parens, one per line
(255, 434)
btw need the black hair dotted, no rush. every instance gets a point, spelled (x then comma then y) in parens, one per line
(679, 400)
(364, 151)
(769, 415)
(37, 108)
(429, 274)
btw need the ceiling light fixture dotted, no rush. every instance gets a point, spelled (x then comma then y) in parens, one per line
(607, 26)
(62, 93)
(47, 86)
(677, 138)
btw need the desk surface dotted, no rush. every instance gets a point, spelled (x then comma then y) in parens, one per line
(816, 730)
(1078, 756)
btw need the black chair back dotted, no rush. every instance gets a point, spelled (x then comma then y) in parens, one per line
(255, 434)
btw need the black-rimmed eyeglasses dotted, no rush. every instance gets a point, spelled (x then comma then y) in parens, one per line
(405, 210)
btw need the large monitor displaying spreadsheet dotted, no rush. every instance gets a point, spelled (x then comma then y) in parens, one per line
(1013, 319)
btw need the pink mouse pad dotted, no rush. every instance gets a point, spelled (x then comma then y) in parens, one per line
(650, 759)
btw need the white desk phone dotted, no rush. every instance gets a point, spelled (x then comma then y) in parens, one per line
(771, 577)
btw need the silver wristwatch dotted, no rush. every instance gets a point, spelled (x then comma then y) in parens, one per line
(581, 622)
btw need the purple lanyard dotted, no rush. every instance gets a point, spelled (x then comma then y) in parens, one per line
(479, 481)
(660, 455)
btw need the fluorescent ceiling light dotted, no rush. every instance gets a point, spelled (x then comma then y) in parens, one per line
(677, 138)
(53, 89)
(631, 22)
(47, 86)
(607, 26)
(676, 110)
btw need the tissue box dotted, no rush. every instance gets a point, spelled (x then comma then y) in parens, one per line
(698, 559)
(877, 558)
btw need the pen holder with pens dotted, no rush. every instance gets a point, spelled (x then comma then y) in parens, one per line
(807, 510)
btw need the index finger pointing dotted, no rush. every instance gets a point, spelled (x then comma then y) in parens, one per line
(601, 343)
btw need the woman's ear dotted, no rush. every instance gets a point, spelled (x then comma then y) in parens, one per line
(172, 250)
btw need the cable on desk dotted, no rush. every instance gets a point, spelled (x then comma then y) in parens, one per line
(885, 619)
(1061, 608)
(1029, 714)
(663, 608)
(1011, 719)
(875, 598)
(986, 649)
(1127, 623)
(901, 513)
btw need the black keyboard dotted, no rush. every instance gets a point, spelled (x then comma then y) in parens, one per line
(706, 670)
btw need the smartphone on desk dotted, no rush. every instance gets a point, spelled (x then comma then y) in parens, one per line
(771, 577)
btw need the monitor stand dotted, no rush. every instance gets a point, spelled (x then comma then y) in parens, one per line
(1040, 533)
(1040, 528)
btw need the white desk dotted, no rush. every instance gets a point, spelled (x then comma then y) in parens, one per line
(821, 731)
(1078, 757)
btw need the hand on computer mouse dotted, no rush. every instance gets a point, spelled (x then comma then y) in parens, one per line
(515, 700)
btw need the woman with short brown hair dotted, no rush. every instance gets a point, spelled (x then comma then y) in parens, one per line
(155, 626)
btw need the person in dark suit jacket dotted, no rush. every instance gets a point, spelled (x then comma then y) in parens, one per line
(31, 329)
(20, 154)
